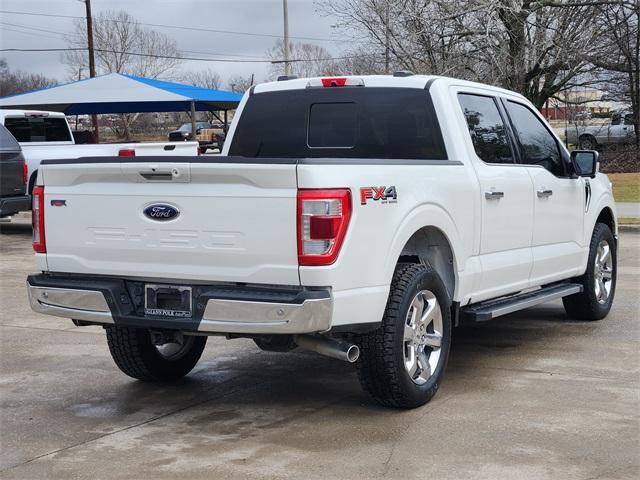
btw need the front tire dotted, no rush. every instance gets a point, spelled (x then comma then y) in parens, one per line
(599, 281)
(402, 363)
(134, 353)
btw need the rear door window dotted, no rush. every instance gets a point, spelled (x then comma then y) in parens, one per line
(38, 129)
(487, 129)
(349, 122)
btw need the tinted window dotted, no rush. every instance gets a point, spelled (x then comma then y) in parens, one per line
(538, 146)
(332, 125)
(350, 122)
(38, 129)
(7, 142)
(487, 130)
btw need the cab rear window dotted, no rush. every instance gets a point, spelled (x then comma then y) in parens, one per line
(38, 129)
(350, 122)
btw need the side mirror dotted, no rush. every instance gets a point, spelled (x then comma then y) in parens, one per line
(585, 162)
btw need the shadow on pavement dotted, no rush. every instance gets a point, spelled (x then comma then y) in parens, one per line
(15, 228)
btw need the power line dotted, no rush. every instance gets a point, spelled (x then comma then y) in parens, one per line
(65, 35)
(175, 57)
(29, 27)
(39, 35)
(182, 27)
(12, 12)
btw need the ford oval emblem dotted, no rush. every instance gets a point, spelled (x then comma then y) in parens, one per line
(161, 212)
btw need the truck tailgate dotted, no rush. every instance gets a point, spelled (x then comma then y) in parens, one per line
(235, 222)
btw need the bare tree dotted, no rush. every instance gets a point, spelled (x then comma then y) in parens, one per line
(619, 56)
(14, 82)
(238, 83)
(202, 78)
(308, 60)
(122, 45)
(535, 47)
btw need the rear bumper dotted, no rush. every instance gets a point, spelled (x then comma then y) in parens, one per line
(13, 205)
(216, 309)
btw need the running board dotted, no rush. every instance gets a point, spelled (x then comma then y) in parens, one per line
(485, 311)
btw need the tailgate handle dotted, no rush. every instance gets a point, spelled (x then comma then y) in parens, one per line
(169, 147)
(160, 175)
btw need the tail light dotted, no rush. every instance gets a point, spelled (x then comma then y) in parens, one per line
(127, 152)
(37, 220)
(323, 218)
(25, 172)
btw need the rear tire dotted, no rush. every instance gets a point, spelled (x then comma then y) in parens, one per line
(599, 281)
(135, 354)
(385, 366)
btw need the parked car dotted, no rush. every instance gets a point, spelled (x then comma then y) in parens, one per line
(47, 135)
(363, 222)
(618, 130)
(13, 176)
(208, 136)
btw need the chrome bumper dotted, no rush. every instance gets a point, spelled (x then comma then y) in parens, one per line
(233, 316)
(88, 305)
(219, 316)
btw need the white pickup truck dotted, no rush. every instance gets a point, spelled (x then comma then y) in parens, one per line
(47, 135)
(363, 221)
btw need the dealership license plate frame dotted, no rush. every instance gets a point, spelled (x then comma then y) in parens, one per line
(183, 310)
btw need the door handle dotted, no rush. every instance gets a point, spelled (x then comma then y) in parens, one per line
(543, 193)
(493, 195)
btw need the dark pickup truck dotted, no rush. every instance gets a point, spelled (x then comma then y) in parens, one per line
(13, 176)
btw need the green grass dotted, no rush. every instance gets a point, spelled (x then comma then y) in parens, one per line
(629, 221)
(626, 186)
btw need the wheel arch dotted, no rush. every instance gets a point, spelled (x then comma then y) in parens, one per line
(419, 236)
(607, 217)
(429, 245)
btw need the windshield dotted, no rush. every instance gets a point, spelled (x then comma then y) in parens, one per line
(38, 129)
(394, 123)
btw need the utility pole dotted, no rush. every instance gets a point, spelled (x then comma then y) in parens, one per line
(92, 64)
(79, 78)
(287, 64)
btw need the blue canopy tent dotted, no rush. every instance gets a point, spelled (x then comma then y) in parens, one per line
(118, 93)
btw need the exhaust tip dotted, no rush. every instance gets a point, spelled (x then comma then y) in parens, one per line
(353, 353)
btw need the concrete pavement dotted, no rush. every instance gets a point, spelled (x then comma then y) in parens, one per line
(530, 396)
(631, 209)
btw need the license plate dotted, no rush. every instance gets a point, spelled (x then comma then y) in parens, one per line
(168, 300)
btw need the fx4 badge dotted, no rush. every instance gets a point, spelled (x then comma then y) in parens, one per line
(382, 194)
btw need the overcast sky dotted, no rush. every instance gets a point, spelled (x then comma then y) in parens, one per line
(255, 16)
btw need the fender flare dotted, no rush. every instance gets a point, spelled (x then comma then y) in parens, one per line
(426, 215)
